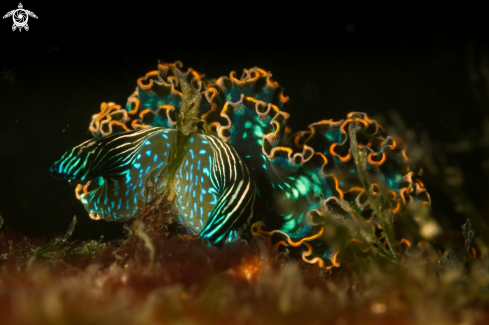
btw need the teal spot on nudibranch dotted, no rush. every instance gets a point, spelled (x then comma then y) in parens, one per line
(202, 151)
(155, 158)
(148, 153)
(137, 165)
(147, 142)
(164, 136)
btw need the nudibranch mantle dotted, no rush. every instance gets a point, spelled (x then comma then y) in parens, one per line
(212, 186)
(243, 168)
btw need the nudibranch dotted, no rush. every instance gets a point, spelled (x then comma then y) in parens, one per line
(240, 170)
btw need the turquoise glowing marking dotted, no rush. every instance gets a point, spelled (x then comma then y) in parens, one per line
(296, 193)
(202, 151)
(148, 153)
(289, 225)
(191, 153)
(168, 145)
(160, 164)
(191, 140)
(137, 165)
(119, 206)
(164, 136)
(203, 191)
(248, 125)
(245, 135)
(300, 217)
(258, 131)
(139, 156)
(303, 185)
(147, 142)
(155, 158)
(128, 178)
(198, 165)
(205, 170)
(204, 142)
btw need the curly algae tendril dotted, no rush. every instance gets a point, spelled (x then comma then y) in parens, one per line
(283, 186)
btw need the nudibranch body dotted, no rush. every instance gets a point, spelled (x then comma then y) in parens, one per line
(243, 169)
(213, 189)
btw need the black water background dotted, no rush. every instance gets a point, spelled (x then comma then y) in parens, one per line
(54, 77)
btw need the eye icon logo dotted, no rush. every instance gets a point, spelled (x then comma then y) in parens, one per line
(20, 17)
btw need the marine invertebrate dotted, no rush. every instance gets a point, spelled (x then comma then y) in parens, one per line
(224, 152)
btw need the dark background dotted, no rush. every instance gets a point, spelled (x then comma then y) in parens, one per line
(55, 76)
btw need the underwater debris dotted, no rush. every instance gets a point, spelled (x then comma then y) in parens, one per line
(189, 107)
(147, 243)
(468, 233)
